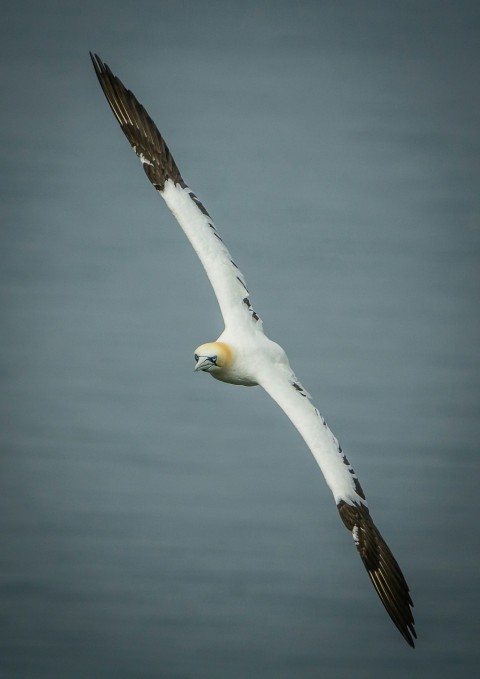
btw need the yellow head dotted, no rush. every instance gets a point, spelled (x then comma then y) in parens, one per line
(213, 356)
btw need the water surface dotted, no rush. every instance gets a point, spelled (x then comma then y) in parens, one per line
(156, 523)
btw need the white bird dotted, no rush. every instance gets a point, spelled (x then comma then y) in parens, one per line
(244, 355)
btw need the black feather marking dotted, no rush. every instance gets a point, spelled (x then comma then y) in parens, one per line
(356, 482)
(199, 204)
(299, 388)
(255, 316)
(242, 283)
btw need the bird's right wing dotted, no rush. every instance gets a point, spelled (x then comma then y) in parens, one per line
(382, 568)
(227, 280)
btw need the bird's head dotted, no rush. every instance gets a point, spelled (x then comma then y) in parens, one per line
(213, 357)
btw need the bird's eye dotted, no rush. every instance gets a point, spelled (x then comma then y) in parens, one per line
(195, 356)
(213, 359)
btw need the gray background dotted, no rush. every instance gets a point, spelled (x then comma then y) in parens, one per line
(155, 523)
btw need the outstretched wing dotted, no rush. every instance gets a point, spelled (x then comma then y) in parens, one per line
(382, 568)
(227, 280)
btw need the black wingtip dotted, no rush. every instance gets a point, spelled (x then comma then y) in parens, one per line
(138, 127)
(382, 568)
(100, 67)
(96, 61)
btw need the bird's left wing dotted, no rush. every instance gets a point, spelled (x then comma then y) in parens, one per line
(227, 280)
(382, 568)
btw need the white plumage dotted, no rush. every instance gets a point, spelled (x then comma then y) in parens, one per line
(244, 355)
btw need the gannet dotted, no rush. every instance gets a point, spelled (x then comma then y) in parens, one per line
(244, 355)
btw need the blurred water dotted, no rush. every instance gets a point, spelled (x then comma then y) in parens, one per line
(154, 522)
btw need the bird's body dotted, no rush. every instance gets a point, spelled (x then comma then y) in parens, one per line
(244, 355)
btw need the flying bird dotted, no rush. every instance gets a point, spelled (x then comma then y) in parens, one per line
(244, 355)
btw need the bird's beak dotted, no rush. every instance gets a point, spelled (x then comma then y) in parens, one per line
(203, 363)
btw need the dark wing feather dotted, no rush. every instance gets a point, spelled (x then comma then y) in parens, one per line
(138, 127)
(382, 567)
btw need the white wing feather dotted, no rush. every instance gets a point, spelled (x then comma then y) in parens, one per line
(227, 280)
(294, 401)
(382, 567)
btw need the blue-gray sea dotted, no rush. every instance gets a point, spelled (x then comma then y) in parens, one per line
(154, 522)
